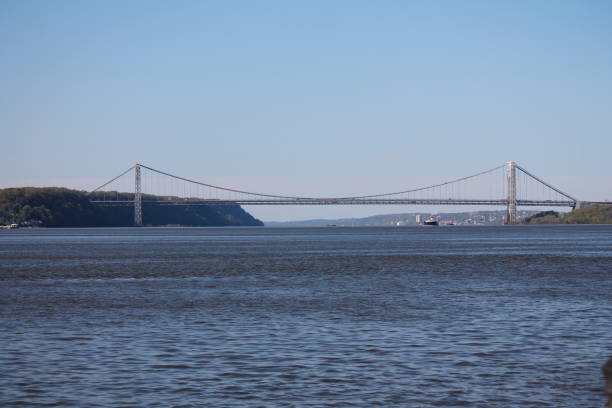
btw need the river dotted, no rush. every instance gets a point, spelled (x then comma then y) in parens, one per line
(491, 316)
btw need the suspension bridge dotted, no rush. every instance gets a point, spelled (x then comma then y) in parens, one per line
(508, 185)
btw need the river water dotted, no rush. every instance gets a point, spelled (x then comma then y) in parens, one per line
(307, 317)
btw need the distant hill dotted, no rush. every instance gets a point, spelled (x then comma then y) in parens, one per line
(61, 207)
(597, 214)
(460, 218)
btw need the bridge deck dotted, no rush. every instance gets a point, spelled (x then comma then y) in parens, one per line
(331, 201)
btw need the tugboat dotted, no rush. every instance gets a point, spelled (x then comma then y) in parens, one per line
(430, 222)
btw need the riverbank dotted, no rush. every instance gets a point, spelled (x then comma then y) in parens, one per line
(62, 207)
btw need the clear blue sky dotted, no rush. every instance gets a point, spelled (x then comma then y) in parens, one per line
(308, 97)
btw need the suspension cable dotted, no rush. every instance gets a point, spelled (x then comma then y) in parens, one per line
(332, 198)
(545, 183)
(108, 182)
(440, 185)
(224, 188)
(428, 187)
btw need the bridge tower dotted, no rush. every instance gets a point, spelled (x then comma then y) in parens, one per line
(511, 198)
(137, 197)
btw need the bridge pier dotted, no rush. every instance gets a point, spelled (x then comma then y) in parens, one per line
(137, 197)
(512, 198)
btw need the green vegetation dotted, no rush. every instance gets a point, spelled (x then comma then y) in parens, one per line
(61, 207)
(597, 214)
(545, 217)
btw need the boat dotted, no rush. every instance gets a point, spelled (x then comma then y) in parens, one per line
(430, 222)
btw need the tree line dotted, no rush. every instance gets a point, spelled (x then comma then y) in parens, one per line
(62, 207)
(597, 214)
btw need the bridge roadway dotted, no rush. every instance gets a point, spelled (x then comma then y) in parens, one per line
(335, 201)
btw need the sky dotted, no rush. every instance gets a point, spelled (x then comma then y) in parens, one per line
(306, 98)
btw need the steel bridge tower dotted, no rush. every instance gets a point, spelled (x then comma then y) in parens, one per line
(137, 197)
(512, 197)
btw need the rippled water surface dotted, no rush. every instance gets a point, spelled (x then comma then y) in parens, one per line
(415, 317)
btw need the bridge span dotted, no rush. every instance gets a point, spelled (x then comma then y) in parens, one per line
(332, 201)
(508, 185)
